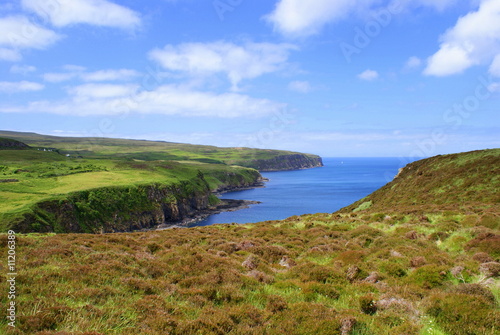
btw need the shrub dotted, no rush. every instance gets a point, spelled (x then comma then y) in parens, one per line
(270, 253)
(464, 314)
(393, 269)
(429, 276)
(475, 290)
(245, 314)
(490, 269)
(251, 262)
(276, 303)
(318, 273)
(261, 276)
(304, 319)
(366, 230)
(46, 319)
(485, 242)
(417, 262)
(351, 256)
(154, 247)
(490, 221)
(482, 257)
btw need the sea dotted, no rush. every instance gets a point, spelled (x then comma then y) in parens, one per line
(339, 183)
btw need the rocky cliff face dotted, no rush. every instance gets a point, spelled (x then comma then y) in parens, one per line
(285, 163)
(125, 209)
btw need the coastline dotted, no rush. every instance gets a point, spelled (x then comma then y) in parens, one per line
(225, 205)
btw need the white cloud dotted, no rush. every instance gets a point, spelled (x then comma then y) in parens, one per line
(19, 33)
(102, 91)
(248, 61)
(21, 86)
(474, 40)
(95, 12)
(368, 75)
(303, 18)
(10, 55)
(78, 72)
(74, 68)
(110, 75)
(300, 86)
(98, 99)
(22, 69)
(298, 17)
(413, 62)
(58, 77)
(439, 5)
(495, 66)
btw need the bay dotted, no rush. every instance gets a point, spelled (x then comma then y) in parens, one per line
(327, 189)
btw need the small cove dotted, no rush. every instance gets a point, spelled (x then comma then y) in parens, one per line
(339, 183)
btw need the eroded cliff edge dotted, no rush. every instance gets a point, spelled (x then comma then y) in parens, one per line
(287, 162)
(130, 208)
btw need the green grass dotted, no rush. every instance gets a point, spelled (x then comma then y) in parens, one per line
(146, 150)
(450, 182)
(43, 176)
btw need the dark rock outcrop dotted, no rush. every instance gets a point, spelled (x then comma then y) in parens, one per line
(285, 163)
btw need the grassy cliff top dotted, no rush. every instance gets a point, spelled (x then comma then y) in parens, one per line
(98, 147)
(52, 168)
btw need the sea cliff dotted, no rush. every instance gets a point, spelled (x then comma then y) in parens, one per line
(131, 208)
(284, 162)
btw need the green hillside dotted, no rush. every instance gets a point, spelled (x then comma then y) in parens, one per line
(96, 147)
(418, 263)
(458, 182)
(51, 173)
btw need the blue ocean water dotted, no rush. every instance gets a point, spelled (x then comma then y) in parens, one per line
(339, 183)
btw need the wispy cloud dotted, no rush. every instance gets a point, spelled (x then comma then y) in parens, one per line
(303, 18)
(20, 86)
(78, 72)
(413, 63)
(19, 33)
(63, 13)
(298, 18)
(237, 62)
(300, 86)
(102, 91)
(368, 75)
(99, 99)
(22, 69)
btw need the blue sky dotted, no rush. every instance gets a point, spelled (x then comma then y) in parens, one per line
(405, 78)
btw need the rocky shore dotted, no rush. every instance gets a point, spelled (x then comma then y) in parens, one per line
(226, 205)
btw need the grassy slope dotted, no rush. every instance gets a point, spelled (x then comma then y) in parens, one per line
(94, 147)
(47, 173)
(43, 175)
(374, 271)
(458, 182)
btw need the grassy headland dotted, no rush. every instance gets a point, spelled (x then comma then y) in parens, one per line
(422, 262)
(97, 181)
(96, 147)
